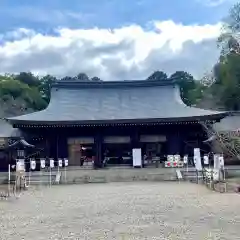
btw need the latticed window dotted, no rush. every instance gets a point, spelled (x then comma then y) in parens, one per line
(20, 153)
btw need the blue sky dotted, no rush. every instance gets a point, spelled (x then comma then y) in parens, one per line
(111, 39)
(47, 14)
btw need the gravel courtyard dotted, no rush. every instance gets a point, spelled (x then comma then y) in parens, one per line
(122, 211)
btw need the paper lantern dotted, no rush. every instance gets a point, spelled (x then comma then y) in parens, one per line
(33, 164)
(221, 161)
(20, 166)
(65, 162)
(51, 163)
(42, 163)
(167, 164)
(206, 159)
(169, 158)
(176, 158)
(60, 162)
(185, 159)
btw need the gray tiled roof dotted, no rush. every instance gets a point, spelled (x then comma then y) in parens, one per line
(86, 102)
(229, 123)
(6, 130)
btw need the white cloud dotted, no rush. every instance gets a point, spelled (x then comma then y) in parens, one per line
(129, 52)
(216, 3)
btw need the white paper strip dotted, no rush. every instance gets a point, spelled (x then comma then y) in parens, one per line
(65, 162)
(33, 164)
(60, 162)
(51, 163)
(42, 163)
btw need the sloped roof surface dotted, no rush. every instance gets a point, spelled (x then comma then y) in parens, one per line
(111, 101)
(6, 130)
(229, 123)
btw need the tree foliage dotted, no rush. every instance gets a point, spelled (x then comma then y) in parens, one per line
(190, 89)
(158, 75)
(226, 87)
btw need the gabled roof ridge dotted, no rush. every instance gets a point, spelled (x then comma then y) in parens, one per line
(113, 84)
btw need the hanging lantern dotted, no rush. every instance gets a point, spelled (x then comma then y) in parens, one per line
(180, 164)
(65, 162)
(32, 164)
(206, 159)
(60, 164)
(42, 163)
(51, 163)
(185, 159)
(221, 161)
(168, 164)
(20, 165)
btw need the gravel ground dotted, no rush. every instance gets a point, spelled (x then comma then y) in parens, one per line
(121, 211)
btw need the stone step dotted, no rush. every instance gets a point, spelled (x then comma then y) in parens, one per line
(104, 175)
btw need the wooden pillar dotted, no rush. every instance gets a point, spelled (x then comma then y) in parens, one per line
(173, 143)
(135, 139)
(98, 147)
(52, 145)
(62, 146)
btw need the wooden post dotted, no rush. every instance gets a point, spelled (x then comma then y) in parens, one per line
(98, 147)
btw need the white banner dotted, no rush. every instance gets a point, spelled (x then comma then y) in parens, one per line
(42, 163)
(216, 161)
(221, 161)
(20, 166)
(215, 174)
(197, 159)
(65, 162)
(51, 163)
(206, 159)
(60, 163)
(137, 157)
(33, 164)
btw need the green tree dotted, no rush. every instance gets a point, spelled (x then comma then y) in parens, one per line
(83, 77)
(227, 84)
(34, 99)
(191, 90)
(45, 86)
(27, 78)
(96, 79)
(12, 87)
(67, 78)
(227, 70)
(158, 75)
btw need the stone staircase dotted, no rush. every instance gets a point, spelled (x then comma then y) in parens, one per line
(119, 175)
(35, 178)
(41, 178)
(192, 175)
(116, 174)
(73, 176)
